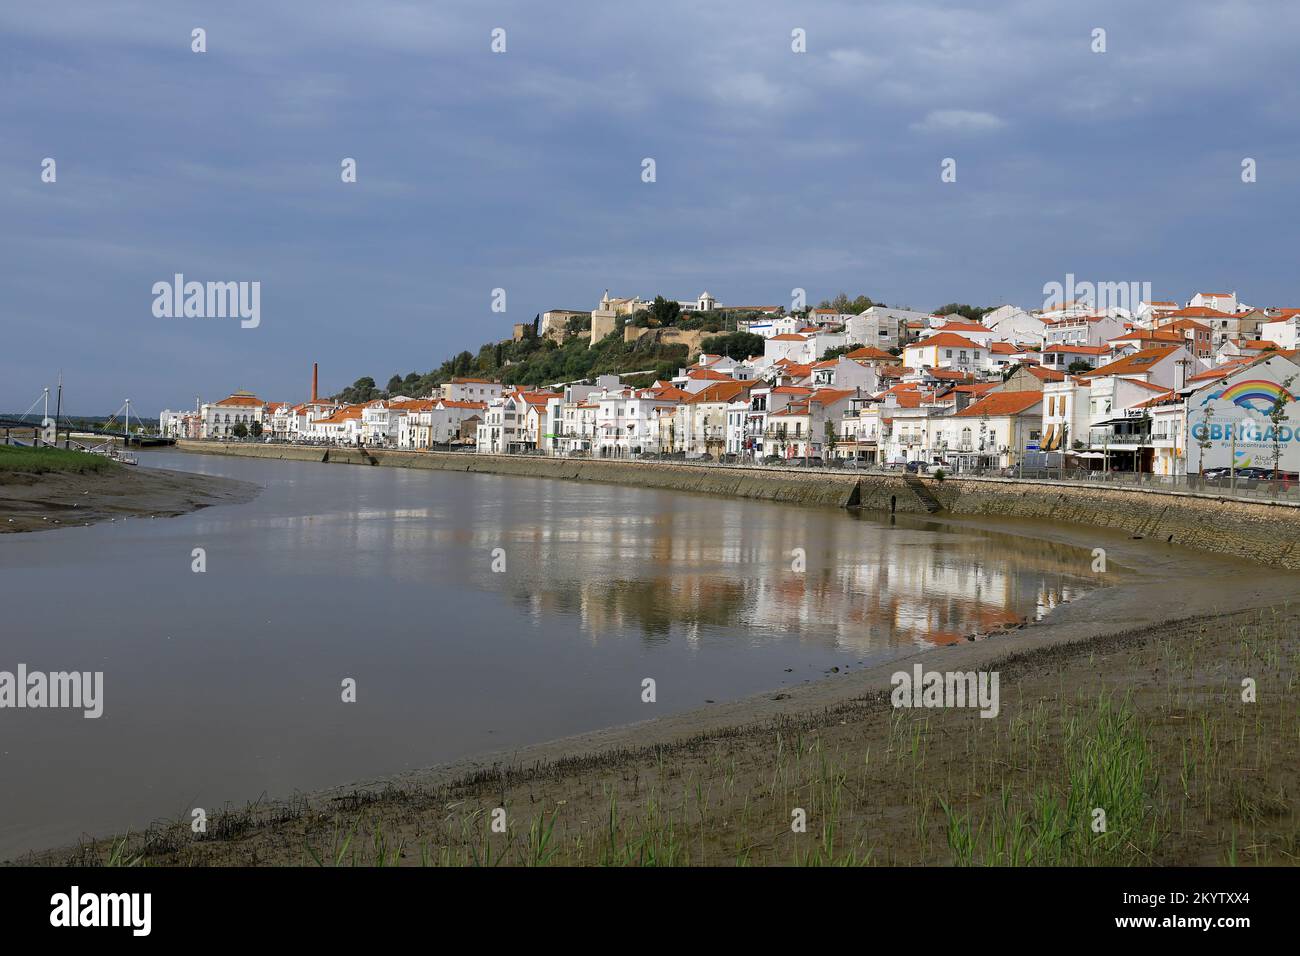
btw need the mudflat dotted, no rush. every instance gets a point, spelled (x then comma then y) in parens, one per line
(53, 499)
(1143, 747)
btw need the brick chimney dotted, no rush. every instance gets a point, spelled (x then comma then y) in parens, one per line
(315, 372)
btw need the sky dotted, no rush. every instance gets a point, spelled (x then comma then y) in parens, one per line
(522, 170)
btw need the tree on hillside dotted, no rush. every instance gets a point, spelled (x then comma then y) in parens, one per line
(362, 390)
(846, 306)
(1078, 366)
(736, 345)
(394, 385)
(663, 312)
(972, 312)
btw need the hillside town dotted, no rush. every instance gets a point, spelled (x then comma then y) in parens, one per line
(1068, 385)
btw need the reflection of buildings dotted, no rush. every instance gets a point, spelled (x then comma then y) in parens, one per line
(867, 586)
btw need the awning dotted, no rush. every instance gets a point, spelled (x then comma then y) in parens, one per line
(1049, 440)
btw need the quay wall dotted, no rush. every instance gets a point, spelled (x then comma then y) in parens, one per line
(1259, 531)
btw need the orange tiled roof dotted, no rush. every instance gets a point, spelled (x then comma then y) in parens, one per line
(1001, 403)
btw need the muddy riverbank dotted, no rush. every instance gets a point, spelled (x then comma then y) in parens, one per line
(42, 502)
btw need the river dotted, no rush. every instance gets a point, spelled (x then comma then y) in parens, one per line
(226, 684)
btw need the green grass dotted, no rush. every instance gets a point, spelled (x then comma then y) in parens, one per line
(40, 461)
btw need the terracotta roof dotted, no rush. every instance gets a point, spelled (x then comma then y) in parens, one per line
(1148, 335)
(829, 396)
(719, 392)
(1200, 312)
(950, 375)
(666, 393)
(1140, 361)
(788, 337)
(946, 339)
(1001, 403)
(871, 352)
(243, 399)
(1187, 324)
(1080, 349)
(1160, 399)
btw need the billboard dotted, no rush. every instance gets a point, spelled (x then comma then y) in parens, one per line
(1245, 419)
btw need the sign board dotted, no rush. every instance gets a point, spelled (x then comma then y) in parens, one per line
(1031, 446)
(1246, 419)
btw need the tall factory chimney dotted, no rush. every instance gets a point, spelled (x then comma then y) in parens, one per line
(315, 373)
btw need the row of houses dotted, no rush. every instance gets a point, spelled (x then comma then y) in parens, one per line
(1062, 385)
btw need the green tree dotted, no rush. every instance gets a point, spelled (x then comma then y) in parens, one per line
(240, 430)
(832, 439)
(846, 306)
(1278, 417)
(1204, 442)
(971, 312)
(736, 345)
(663, 312)
(255, 429)
(1078, 366)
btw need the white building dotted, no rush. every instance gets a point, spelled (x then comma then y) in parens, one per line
(221, 419)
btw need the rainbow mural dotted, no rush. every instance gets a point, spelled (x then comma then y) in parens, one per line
(1255, 394)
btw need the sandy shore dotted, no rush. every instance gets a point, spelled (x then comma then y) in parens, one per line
(51, 500)
(1171, 642)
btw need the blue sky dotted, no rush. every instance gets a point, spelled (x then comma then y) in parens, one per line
(521, 170)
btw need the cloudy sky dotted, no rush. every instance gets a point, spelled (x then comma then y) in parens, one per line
(522, 170)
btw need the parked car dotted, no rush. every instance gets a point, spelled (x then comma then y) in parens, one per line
(912, 466)
(578, 453)
(772, 459)
(730, 458)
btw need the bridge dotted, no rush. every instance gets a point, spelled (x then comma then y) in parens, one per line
(45, 431)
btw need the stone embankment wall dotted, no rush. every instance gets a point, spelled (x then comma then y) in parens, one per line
(1258, 531)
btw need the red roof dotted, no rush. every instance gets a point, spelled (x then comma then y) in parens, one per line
(1001, 403)
(1136, 363)
(946, 339)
